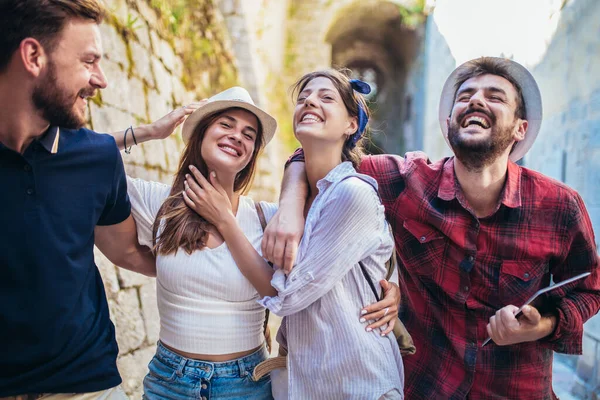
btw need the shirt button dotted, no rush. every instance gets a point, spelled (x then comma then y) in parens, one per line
(204, 386)
(423, 238)
(526, 275)
(466, 288)
(27, 168)
(470, 258)
(29, 191)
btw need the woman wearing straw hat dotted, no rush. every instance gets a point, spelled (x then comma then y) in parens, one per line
(211, 325)
(332, 353)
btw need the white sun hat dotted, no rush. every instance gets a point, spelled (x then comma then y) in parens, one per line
(237, 97)
(531, 97)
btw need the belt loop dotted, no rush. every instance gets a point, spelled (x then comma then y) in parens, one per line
(242, 367)
(182, 363)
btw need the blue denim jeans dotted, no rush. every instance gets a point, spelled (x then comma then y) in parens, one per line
(173, 377)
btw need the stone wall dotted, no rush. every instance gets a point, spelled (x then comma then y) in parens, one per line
(159, 55)
(257, 37)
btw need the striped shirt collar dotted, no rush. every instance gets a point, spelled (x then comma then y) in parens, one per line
(51, 139)
(339, 172)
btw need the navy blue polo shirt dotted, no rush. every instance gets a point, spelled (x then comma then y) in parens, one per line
(55, 332)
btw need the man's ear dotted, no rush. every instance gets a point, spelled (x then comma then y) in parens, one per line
(520, 130)
(33, 56)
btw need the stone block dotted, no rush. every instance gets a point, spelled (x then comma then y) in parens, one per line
(179, 91)
(228, 7)
(133, 368)
(129, 279)
(166, 53)
(173, 150)
(150, 311)
(115, 49)
(143, 34)
(109, 119)
(155, 41)
(147, 12)
(118, 8)
(126, 315)
(178, 67)
(124, 92)
(108, 273)
(163, 78)
(158, 105)
(155, 154)
(141, 63)
(136, 154)
(155, 175)
(137, 171)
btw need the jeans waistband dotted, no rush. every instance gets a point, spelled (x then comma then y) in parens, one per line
(242, 366)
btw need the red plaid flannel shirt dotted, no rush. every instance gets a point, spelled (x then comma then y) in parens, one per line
(457, 270)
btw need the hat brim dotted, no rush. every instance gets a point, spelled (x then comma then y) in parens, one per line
(268, 123)
(531, 96)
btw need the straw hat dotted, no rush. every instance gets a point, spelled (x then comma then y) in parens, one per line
(237, 97)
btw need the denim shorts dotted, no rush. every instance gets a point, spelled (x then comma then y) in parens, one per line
(173, 377)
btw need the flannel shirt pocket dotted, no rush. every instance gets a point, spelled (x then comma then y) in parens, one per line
(520, 279)
(423, 248)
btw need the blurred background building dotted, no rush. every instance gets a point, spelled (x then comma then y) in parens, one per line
(161, 54)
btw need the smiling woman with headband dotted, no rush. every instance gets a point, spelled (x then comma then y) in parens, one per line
(332, 353)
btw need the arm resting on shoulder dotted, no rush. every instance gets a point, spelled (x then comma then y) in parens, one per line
(285, 229)
(348, 231)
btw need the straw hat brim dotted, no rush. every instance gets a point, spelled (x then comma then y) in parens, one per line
(268, 123)
(531, 96)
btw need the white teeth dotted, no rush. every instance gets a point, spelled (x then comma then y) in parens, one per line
(229, 150)
(311, 117)
(479, 120)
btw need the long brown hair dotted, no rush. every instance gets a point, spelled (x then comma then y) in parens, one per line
(351, 100)
(183, 227)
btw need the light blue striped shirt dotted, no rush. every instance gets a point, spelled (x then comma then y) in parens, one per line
(330, 355)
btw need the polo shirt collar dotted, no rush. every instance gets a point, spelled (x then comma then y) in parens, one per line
(511, 193)
(51, 139)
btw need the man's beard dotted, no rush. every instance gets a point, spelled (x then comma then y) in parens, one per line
(478, 154)
(55, 103)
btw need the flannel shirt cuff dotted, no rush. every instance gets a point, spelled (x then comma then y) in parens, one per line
(565, 339)
(298, 156)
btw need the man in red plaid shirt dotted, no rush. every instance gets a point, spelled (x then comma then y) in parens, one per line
(476, 236)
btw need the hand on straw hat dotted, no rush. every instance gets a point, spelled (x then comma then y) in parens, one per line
(165, 126)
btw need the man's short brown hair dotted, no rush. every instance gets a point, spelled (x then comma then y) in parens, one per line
(42, 20)
(491, 66)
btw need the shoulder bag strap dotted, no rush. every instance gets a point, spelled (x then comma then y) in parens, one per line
(368, 278)
(263, 224)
